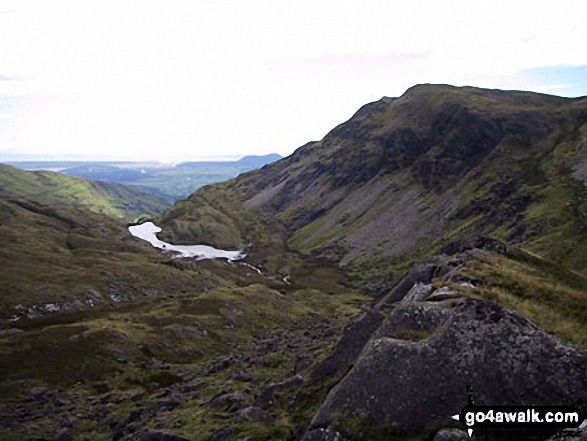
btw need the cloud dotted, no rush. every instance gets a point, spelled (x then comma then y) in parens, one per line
(351, 63)
(227, 77)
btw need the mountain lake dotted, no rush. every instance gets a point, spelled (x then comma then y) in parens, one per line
(148, 231)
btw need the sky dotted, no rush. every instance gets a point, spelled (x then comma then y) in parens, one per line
(186, 80)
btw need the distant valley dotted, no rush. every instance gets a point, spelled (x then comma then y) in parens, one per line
(172, 182)
(47, 187)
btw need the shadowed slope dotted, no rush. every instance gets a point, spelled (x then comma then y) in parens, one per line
(408, 175)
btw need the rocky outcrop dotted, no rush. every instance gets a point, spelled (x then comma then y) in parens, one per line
(451, 435)
(416, 369)
(422, 272)
(355, 336)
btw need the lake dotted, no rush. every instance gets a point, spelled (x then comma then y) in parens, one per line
(148, 231)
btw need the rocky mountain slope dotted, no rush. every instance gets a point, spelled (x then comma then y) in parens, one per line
(116, 200)
(460, 211)
(406, 179)
(409, 175)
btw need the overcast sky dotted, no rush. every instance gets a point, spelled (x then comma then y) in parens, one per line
(177, 80)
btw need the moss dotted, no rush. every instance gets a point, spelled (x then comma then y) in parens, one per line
(66, 354)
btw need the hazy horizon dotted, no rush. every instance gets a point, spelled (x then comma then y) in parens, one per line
(160, 81)
(7, 157)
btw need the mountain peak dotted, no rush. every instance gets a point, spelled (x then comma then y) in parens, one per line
(483, 99)
(440, 160)
(427, 87)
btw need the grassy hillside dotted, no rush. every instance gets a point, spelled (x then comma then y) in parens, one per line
(405, 177)
(103, 337)
(100, 330)
(101, 197)
(551, 295)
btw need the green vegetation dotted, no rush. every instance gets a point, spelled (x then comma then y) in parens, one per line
(186, 337)
(547, 293)
(101, 197)
(98, 328)
(411, 334)
(135, 324)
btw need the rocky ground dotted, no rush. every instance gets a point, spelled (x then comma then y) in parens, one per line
(249, 388)
(428, 350)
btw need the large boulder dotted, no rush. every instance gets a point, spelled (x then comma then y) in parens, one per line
(418, 366)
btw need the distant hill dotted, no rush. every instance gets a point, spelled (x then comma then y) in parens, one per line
(101, 197)
(254, 161)
(246, 163)
(169, 181)
(105, 172)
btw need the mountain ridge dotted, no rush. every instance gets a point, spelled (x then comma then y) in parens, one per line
(372, 184)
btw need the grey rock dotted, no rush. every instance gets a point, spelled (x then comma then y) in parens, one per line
(571, 435)
(451, 435)
(503, 357)
(491, 244)
(63, 435)
(324, 434)
(134, 416)
(222, 415)
(221, 365)
(94, 295)
(230, 402)
(445, 293)
(267, 399)
(418, 292)
(222, 434)
(118, 428)
(158, 364)
(194, 386)
(254, 414)
(186, 332)
(420, 273)
(10, 331)
(351, 344)
(170, 403)
(423, 317)
(243, 376)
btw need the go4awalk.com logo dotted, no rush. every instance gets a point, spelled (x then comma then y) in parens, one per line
(521, 417)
